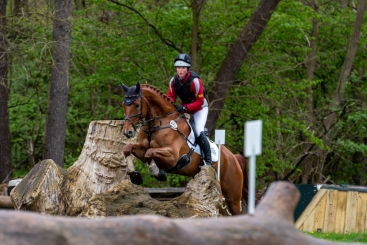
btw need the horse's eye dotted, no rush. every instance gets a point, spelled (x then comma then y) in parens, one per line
(137, 106)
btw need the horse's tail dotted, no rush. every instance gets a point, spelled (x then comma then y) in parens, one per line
(243, 164)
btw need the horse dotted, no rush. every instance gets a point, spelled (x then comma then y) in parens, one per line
(162, 143)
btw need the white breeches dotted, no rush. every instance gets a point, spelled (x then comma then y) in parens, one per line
(200, 120)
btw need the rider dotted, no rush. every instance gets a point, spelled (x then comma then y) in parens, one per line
(188, 86)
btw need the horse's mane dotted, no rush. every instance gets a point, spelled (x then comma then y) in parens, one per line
(158, 91)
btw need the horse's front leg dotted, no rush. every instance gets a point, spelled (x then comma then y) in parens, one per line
(164, 154)
(137, 150)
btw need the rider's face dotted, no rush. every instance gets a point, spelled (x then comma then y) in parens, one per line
(181, 71)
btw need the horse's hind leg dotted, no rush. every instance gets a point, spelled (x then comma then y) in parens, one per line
(159, 174)
(232, 191)
(232, 194)
(234, 206)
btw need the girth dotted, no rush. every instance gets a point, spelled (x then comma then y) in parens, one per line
(183, 162)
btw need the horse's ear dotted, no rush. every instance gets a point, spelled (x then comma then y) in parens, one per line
(137, 88)
(125, 88)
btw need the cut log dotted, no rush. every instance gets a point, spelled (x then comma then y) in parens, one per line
(5, 202)
(272, 224)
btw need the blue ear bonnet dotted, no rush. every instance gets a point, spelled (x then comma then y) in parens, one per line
(131, 94)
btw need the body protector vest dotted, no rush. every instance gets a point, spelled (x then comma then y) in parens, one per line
(183, 90)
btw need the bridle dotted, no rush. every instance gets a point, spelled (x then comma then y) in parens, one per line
(141, 119)
(150, 129)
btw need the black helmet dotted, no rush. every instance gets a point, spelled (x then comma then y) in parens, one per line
(183, 60)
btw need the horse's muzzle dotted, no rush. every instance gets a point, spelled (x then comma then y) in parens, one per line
(129, 133)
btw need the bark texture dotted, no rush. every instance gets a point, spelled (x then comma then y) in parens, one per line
(49, 189)
(308, 167)
(5, 202)
(202, 198)
(235, 57)
(196, 6)
(59, 89)
(5, 145)
(272, 224)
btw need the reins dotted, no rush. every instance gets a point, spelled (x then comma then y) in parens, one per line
(152, 129)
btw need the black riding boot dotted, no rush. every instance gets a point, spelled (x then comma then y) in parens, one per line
(205, 146)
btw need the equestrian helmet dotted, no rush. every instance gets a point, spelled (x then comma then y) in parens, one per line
(183, 60)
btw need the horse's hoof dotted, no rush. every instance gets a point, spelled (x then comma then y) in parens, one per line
(136, 177)
(161, 176)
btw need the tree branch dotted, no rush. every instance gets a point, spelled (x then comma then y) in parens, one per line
(168, 42)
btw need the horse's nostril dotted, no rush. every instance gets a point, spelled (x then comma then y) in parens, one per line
(129, 134)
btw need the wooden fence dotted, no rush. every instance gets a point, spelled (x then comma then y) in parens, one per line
(339, 209)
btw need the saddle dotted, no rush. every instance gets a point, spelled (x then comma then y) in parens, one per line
(194, 147)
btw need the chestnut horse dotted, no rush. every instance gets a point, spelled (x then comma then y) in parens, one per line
(161, 144)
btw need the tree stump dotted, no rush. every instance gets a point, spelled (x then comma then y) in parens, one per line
(48, 189)
(202, 198)
(272, 224)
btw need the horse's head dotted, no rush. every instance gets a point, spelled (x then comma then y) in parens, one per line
(133, 109)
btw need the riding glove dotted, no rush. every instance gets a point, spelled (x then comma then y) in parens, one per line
(181, 108)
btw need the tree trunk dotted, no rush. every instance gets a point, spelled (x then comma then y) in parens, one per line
(5, 202)
(59, 89)
(330, 132)
(5, 144)
(336, 104)
(331, 119)
(272, 224)
(197, 6)
(311, 63)
(235, 57)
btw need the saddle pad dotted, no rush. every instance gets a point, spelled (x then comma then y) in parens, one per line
(213, 146)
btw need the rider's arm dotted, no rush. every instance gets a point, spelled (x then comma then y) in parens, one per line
(198, 89)
(171, 91)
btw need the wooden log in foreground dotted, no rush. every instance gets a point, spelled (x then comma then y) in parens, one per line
(271, 224)
(5, 202)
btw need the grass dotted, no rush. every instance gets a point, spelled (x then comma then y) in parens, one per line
(352, 237)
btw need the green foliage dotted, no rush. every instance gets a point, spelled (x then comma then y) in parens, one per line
(30, 65)
(112, 43)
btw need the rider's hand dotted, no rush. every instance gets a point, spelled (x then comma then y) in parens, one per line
(181, 108)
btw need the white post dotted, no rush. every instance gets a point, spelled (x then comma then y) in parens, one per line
(253, 131)
(252, 185)
(220, 136)
(218, 169)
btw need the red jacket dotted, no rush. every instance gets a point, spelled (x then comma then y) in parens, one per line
(196, 87)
